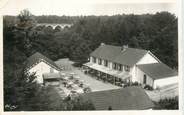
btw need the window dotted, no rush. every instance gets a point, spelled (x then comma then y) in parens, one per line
(100, 61)
(120, 67)
(94, 59)
(115, 66)
(144, 79)
(127, 68)
(105, 63)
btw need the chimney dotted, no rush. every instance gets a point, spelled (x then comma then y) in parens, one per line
(123, 48)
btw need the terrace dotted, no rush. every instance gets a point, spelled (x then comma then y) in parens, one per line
(72, 80)
(94, 84)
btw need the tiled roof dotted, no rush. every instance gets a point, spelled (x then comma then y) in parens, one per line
(106, 52)
(130, 98)
(129, 56)
(157, 70)
(36, 58)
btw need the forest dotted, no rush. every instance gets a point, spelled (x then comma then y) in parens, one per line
(21, 38)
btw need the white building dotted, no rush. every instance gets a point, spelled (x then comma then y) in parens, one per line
(117, 64)
(39, 64)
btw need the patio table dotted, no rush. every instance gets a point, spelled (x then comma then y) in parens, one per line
(87, 84)
(66, 78)
(75, 86)
(77, 77)
(72, 73)
(63, 74)
(80, 90)
(70, 83)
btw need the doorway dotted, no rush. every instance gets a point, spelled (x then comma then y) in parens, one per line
(144, 79)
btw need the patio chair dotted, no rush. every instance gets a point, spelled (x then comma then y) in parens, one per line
(76, 81)
(65, 83)
(69, 86)
(81, 85)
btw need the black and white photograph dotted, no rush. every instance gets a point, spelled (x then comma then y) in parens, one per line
(90, 55)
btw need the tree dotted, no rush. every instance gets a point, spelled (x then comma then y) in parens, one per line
(24, 32)
(57, 28)
(22, 93)
(25, 19)
(19, 89)
(168, 103)
(79, 103)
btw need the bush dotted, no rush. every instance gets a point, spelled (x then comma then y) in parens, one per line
(135, 84)
(85, 72)
(77, 64)
(148, 87)
(168, 103)
(78, 103)
(87, 90)
(132, 84)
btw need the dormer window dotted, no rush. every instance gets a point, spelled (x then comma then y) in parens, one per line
(94, 59)
(120, 67)
(105, 63)
(115, 66)
(127, 68)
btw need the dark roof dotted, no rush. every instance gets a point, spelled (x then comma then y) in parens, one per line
(157, 70)
(130, 98)
(51, 76)
(106, 52)
(35, 58)
(129, 56)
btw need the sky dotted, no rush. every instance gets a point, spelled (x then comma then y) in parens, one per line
(87, 7)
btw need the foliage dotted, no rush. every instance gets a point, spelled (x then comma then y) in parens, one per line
(79, 104)
(154, 32)
(148, 87)
(168, 103)
(22, 39)
(56, 19)
(138, 31)
(46, 99)
(128, 84)
(25, 19)
(18, 89)
(87, 89)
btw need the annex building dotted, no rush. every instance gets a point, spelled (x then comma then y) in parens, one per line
(117, 65)
(40, 65)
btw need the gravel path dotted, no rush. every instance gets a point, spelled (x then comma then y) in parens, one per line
(94, 84)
